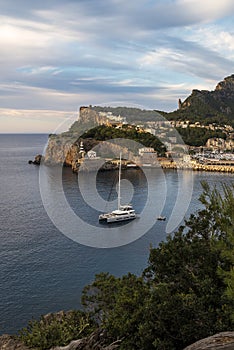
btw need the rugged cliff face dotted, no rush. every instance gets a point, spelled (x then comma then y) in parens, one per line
(213, 106)
(65, 148)
(226, 86)
(62, 150)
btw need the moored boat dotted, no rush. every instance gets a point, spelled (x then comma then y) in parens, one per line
(161, 218)
(123, 212)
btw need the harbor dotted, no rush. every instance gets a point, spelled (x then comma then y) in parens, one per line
(219, 166)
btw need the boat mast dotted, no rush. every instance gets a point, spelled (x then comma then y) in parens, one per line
(119, 180)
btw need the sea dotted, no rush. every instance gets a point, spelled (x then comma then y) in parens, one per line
(43, 265)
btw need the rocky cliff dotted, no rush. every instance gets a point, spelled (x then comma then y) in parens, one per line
(62, 150)
(210, 106)
(65, 148)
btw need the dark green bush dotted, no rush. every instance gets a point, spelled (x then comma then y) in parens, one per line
(56, 329)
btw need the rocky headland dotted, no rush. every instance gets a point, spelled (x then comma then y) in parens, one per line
(68, 149)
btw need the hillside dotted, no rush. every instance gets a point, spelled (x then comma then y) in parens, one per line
(132, 115)
(208, 106)
(103, 133)
(201, 106)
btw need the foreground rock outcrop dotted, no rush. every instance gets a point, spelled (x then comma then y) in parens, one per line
(220, 341)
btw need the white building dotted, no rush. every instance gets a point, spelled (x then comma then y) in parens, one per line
(91, 154)
(144, 150)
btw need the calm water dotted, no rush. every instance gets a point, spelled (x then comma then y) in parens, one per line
(41, 270)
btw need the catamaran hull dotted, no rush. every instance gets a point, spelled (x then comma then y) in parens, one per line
(109, 219)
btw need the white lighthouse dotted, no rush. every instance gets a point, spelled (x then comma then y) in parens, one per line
(82, 151)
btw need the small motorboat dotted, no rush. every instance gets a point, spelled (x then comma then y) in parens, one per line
(161, 218)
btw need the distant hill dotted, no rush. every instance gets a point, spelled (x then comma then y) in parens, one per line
(201, 106)
(208, 106)
(132, 115)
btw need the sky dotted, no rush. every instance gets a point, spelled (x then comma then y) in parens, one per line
(58, 55)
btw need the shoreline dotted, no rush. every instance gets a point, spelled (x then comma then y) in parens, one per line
(198, 167)
(92, 165)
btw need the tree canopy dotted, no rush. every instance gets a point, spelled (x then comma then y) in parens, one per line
(103, 133)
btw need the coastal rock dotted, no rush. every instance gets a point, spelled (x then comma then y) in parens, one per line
(61, 150)
(37, 160)
(8, 342)
(220, 341)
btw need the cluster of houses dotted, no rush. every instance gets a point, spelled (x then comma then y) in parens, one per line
(109, 119)
(220, 144)
(163, 128)
(147, 156)
(213, 126)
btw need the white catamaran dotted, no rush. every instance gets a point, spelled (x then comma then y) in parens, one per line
(123, 212)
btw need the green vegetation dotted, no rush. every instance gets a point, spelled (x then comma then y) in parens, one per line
(102, 133)
(56, 329)
(185, 293)
(206, 107)
(199, 136)
(202, 117)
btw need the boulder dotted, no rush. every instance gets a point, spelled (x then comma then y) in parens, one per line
(220, 341)
(37, 160)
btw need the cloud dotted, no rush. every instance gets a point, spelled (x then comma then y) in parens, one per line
(47, 121)
(56, 54)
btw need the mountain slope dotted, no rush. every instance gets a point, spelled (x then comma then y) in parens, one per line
(208, 106)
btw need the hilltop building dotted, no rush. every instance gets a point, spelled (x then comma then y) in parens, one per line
(109, 119)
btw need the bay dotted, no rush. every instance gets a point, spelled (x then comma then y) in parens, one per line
(41, 269)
